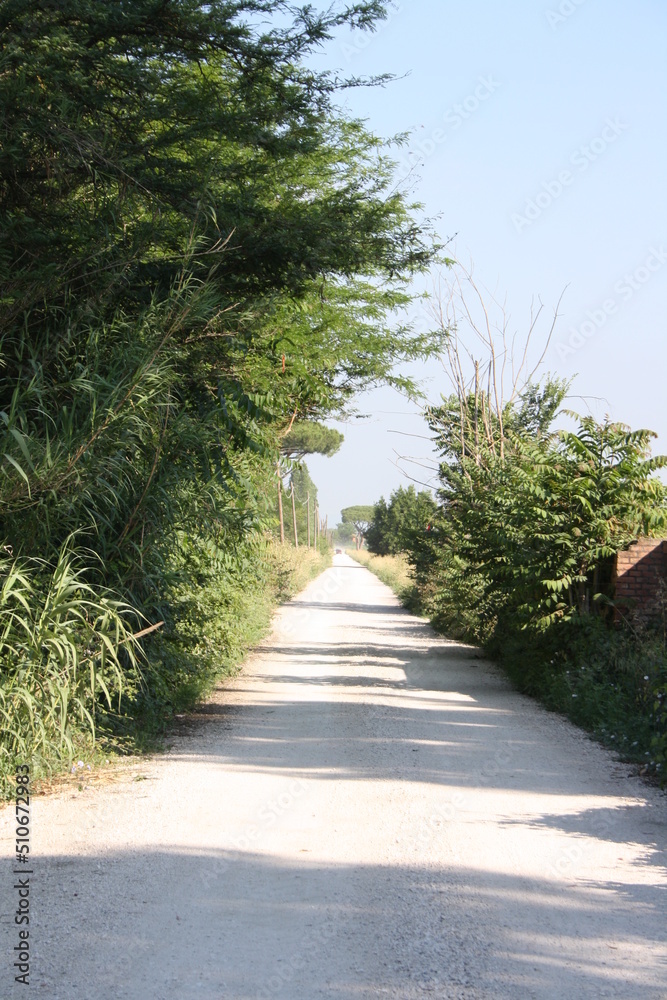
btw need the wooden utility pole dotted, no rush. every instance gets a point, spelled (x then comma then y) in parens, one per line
(280, 504)
(296, 537)
(316, 517)
(308, 516)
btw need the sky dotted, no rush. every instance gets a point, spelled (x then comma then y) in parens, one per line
(538, 145)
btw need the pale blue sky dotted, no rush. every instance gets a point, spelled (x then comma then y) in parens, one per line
(540, 130)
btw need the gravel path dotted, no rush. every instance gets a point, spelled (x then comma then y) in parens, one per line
(366, 811)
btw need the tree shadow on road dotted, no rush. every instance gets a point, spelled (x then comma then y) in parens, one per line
(394, 733)
(242, 925)
(615, 824)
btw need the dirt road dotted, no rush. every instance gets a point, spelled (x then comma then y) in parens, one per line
(366, 811)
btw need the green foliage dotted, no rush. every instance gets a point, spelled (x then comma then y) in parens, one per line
(344, 534)
(308, 437)
(535, 528)
(609, 681)
(360, 517)
(397, 526)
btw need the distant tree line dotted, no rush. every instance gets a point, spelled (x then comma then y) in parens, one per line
(398, 526)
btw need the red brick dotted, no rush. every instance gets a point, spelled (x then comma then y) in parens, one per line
(639, 571)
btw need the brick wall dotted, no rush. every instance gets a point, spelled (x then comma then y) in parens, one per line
(638, 572)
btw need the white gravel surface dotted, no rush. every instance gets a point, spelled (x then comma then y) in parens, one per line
(368, 810)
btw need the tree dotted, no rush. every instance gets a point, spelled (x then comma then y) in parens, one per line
(396, 526)
(522, 541)
(344, 534)
(360, 516)
(528, 517)
(496, 402)
(567, 507)
(308, 437)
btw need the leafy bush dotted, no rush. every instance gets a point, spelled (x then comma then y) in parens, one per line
(606, 680)
(396, 525)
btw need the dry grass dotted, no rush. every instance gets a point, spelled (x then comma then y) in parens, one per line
(392, 570)
(293, 569)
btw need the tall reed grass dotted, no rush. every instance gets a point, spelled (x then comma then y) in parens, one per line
(69, 655)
